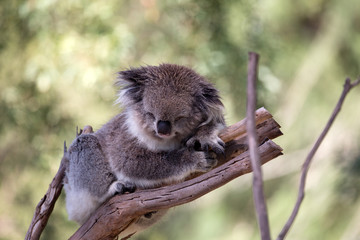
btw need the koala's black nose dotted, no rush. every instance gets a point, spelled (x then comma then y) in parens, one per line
(164, 127)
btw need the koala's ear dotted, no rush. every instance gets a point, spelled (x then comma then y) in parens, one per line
(132, 83)
(210, 103)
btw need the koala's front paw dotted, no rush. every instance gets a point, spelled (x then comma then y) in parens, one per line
(205, 143)
(119, 187)
(206, 161)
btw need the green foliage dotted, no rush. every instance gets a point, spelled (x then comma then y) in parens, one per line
(58, 60)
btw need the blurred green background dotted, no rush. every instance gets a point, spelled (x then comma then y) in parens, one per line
(58, 60)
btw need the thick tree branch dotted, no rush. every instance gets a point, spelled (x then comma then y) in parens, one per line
(258, 189)
(301, 194)
(114, 216)
(119, 212)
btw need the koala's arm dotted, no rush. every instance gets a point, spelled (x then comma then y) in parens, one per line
(147, 169)
(206, 134)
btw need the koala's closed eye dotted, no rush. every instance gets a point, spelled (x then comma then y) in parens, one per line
(150, 116)
(180, 119)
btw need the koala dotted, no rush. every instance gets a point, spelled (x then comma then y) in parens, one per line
(167, 130)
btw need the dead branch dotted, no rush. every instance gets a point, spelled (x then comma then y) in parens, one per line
(258, 189)
(46, 205)
(114, 216)
(118, 213)
(301, 193)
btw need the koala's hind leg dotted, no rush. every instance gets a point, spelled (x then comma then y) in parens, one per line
(88, 177)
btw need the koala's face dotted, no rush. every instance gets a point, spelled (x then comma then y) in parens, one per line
(167, 103)
(169, 113)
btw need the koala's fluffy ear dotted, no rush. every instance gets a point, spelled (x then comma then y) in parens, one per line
(131, 82)
(210, 103)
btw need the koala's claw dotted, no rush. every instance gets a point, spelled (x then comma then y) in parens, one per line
(221, 143)
(220, 151)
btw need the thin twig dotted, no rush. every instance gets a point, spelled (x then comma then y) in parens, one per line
(258, 191)
(301, 194)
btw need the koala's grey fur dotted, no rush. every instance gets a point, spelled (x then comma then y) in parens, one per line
(171, 118)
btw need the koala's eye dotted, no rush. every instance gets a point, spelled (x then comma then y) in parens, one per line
(180, 119)
(150, 115)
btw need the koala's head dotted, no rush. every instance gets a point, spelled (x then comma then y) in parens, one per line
(167, 103)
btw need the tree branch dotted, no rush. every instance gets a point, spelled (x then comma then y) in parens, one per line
(258, 189)
(301, 194)
(118, 213)
(46, 205)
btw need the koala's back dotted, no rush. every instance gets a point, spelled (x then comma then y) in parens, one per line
(88, 177)
(81, 173)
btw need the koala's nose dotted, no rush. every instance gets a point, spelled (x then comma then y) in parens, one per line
(164, 127)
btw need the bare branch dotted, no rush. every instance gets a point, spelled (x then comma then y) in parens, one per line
(301, 194)
(258, 191)
(114, 216)
(46, 205)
